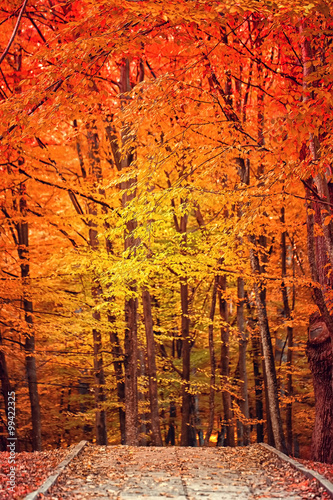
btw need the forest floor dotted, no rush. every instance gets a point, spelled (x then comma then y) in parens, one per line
(122, 472)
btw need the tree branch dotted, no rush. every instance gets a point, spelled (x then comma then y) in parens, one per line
(5, 52)
(63, 188)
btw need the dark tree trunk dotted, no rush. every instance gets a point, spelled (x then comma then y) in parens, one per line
(6, 387)
(290, 390)
(186, 350)
(186, 425)
(143, 414)
(131, 372)
(212, 363)
(225, 370)
(131, 304)
(99, 388)
(244, 402)
(171, 436)
(29, 346)
(287, 316)
(258, 386)
(272, 386)
(319, 195)
(118, 361)
(269, 428)
(320, 356)
(258, 377)
(100, 398)
(156, 437)
(22, 229)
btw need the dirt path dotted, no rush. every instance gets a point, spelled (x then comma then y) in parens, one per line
(127, 473)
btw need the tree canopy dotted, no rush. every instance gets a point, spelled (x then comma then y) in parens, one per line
(167, 226)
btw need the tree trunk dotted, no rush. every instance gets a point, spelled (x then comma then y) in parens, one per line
(143, 418)
(29, 346)
(244, 404)
(212, 364)
(6, 387)
(156, 438)
(225, 370)
(269, 428)
(320, 355)
(100, 398)
(287, 316)
(131, 372)
(186, 351)
(118, 361)
(319, 195)
(131, 304)
(99, 388)
(258, 386)
(272, 387)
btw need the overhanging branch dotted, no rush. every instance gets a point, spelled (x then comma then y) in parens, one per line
(5, 52)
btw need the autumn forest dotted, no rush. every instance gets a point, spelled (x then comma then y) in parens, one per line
(166, 223)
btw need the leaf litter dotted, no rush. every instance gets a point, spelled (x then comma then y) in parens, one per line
(104, 472)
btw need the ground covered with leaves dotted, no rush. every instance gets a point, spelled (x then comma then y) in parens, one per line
(325, 470)
(282, 474)
(106, 472)
(31, 470)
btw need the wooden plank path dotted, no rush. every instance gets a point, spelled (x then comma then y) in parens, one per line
(128, 473)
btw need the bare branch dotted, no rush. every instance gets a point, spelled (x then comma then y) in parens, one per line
(5, 52)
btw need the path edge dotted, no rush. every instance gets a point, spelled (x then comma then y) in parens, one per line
(58, 470)
(325, 483)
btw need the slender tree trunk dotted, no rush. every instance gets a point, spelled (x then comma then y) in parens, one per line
(290, 390)
(22, 229)
(258, 377)
(96, 172)
(258, 386)
(118, 362)
(131, 304)
(272, 386)
(131, 371)
(186, 351)
(225, 370)
(29, 346)
(212, 364)
(99, 389)
(4, 378)
(244, 404)
(100, 398)
(142, 398)
(156, 437)
(287, 315)
(269, 428)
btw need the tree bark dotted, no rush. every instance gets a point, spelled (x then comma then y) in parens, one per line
(29, 346)
(186, 352)
(244, 403)
(131, 304)
(156, 438)
(287, 316)
(272, 386)
(99, 388)
(258, 386)
(4, 377)
(225, 360)
(212, 363)
(269, 428)
(118, 362)
(320, 355)
(319, 195)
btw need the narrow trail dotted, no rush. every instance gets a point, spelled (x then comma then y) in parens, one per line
(128, 473)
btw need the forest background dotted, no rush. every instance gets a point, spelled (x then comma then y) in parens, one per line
(166, 223)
